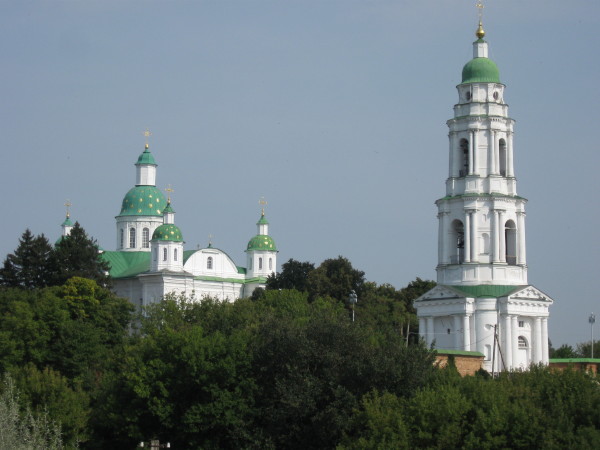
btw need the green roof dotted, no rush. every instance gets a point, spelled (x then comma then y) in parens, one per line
(127, 264)
(486, 290)
(262, 242)
(168, 208)
(575, 360)
(67, 222)
(442, 351)
(480, 70)
(263, 220)
(143, 201)
(167, 232)
(146, 158)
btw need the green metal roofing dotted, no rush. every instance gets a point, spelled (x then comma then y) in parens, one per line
(167, 232)
(168, 208)
(143, 201)
(261, 242)
(67, 222)
(442, 351)
(575, 360)
(263, 220)
(480, 70)
(127, 264)
(486, 290)
(146, 158)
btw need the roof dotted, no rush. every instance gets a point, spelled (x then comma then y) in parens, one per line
(146, 158)
(262, 242)
(167, 232)
(127, 264)
(480, 70)
(441, 351)
(486, 290)
(143, 201)
(574, 360)
(67, 222)
(263, 220)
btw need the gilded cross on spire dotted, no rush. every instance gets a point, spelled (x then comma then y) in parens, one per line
(147, 134)
(210, 236)
(169, 189)
(68, 204)
(263, 203)
(480, 33)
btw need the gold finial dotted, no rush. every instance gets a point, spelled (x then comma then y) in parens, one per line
(263, 203)
(480, 33)
(68, 204)
(169, 189)
(147, 134)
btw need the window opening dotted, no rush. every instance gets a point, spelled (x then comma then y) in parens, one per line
(122, 238)
(464, 153)
(522, 342)
(510, 239)
(146, 238)
(164, 254)
(502, 157)
(175, 255)
(209, 263)
(270, 263)
(259, 263)
(132, 238)
(458, 243)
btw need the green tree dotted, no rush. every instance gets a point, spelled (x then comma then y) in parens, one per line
(31, 265)
(584, 349)
(565, 351)
(335, 278)
(294, 275)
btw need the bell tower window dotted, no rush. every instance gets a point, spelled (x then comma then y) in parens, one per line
(464, 157)
(502, 157)
(510, 236)
(132, 238)
(457, 236)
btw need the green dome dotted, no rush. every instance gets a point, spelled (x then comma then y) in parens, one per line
(480, 70)
(67, 222)
(143, 201)
(146, 158)
(262, 242)
(167, 232)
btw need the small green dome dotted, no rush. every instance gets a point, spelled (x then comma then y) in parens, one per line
(146, 158)
(143, 201)
(480, 70)
(67, 222)
(262, 242)
(167, 232)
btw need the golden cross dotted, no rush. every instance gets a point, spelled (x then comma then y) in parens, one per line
(169, 189)
(210, 236)
(480, 6)
(263, 203)
(68, 204)
(147, 134)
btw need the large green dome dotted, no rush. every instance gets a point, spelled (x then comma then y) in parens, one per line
(480, 70)
(261, 242)
(167, 232)
(143, 201)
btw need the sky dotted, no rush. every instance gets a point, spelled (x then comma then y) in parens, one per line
(333, 110)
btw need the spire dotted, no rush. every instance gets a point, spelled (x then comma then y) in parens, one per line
(168, 212)
(67, 225)
(146, 165)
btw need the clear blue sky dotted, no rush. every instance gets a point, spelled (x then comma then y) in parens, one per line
(334, 110)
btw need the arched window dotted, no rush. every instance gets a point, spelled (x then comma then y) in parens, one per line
(146, 238)
(270, 263)
(464, 155)
(209, 263)
(259, 263)
(502, 157)
(164, 254)
(510, 236)
(457, 241)
(175, 255)
(486, 244)
(132, 238)
(121, 238)
(523, 342)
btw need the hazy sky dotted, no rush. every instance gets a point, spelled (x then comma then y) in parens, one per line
(333, 110)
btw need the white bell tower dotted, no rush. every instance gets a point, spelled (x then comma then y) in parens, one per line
(483, 302)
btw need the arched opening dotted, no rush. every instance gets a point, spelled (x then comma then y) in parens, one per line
(132, 238)
(457, 242)
(259, 263)
(485, 248)
(270, 263)
(209, 263)
(155, 252)
(464, 158)
(502, 157)
(523, 342)
(121, 238)
(522, 359)
(164, 254)
(510, 236)
(146, 238)
(175, 254)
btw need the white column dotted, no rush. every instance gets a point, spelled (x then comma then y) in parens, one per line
(441, 240)
(508, 338)
(466, 333)
(467, 237)
(510, 170)
(495, 237)
(515, 340)
(457, 335)
(475, 150)
(471, 153)
(501, 236)
(497, 154)
(537, 340)
(430, 331)
(452, 161)
(545, 340)
(422, 328)
(474, 247)
(491, 152)
(521, 250)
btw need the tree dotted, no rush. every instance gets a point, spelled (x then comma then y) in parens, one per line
(565, 351)
(584, 349)
(77, 255)
(294, 275)
(31, 265)
(335, 278)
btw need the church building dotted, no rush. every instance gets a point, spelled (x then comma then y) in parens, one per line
(483, 301)
(150, 260)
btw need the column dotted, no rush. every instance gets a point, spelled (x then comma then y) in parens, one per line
(452, 156)
(496, 240)
(501, 237)
(515, 340)
(457, 336)
(471, 153)
(422, 328)
(430, 331)
(545, 340)
(466, 333)
(467, 237)
(537, 340)
(474, 247)
(510, 170)
(521, 249)
(508, 338)
(475, 149)
(497, 154)
(491, 152)
(441, 240)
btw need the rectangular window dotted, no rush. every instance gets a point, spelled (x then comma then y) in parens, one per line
(521, 324)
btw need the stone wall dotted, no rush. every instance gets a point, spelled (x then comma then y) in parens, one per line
(467, 363)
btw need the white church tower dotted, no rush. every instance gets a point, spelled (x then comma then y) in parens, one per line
(483, 301)
(261, 252)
